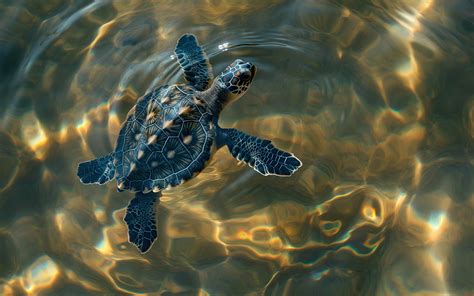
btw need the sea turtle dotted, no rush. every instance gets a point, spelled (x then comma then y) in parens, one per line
(172, 132)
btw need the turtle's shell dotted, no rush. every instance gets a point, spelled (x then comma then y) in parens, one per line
(166, 139)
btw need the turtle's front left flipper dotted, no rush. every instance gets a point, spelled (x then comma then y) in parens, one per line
(141, 220)
(100, 170)
(259, 154)
(193, 62)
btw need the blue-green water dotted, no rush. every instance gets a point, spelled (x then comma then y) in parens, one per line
(375, 97)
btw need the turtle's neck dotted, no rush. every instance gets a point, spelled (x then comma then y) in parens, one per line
(216, 97)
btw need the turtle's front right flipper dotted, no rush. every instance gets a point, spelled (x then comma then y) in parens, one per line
(259, 154)
(99, 171)
(141, 220)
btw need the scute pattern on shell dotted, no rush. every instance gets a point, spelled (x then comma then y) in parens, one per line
(164, 141)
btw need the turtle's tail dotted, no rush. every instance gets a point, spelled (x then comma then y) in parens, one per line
(98, 171)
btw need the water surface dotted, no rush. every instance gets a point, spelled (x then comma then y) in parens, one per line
(375, 97)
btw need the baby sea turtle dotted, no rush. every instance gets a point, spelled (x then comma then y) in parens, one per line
(172, 132)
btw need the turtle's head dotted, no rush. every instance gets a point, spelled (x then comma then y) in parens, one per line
(236, 78)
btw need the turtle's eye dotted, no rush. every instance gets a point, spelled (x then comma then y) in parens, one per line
(245, 76)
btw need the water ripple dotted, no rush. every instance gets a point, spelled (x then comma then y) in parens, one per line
(375, 97)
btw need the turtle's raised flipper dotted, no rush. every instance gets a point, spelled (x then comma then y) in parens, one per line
(194, 62)
(141, 220)
(259, 154)
(100, 170)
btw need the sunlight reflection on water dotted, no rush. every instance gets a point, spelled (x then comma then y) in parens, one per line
(375, 97)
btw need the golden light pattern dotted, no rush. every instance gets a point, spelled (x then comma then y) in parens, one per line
(40, 275)
(59, 219)
(383, 202)
(34, 135)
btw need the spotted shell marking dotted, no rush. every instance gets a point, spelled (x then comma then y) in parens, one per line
(164, 141)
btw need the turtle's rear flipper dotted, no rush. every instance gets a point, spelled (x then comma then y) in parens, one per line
(100, 170)
(259, 154)
(141, 220)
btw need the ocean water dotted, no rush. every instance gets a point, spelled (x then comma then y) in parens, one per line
(375, 97)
